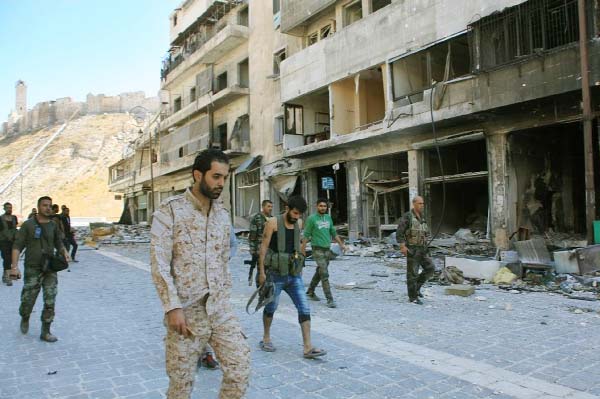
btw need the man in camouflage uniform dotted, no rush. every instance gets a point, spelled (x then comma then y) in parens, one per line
(39, 236)
(8, 231)
(189, 260)
(257, 227)
(412, 236)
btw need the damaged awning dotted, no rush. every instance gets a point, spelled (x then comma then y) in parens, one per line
(249, 164)
(387, 186)
(284, 185)
(452, 139)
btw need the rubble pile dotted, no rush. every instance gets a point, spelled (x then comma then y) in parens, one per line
(113, 234)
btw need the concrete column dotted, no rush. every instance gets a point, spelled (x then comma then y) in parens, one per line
(414, 176)
(498, 189)
(355, 224)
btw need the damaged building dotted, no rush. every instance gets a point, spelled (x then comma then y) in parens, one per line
(477, 105)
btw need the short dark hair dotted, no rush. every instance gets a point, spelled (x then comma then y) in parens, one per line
(54, 206)
(7, 203)
(298, 203)
(205, 158)
(44, 198)
(265, 202)
(321, 199)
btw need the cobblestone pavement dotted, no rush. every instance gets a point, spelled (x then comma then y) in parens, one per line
(504, 345)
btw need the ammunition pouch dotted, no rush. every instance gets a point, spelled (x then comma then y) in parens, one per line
(284, 263)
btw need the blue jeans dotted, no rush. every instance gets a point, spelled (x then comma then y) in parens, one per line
(294, 286)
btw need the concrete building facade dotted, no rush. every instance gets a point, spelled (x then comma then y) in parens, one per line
(474, 104)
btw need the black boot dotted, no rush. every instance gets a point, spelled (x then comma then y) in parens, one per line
(6, 279)
(46, 334)
(24, 325)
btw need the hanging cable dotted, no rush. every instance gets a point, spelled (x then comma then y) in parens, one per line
(439, 155)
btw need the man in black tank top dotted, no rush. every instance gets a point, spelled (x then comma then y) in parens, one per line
(281, 262)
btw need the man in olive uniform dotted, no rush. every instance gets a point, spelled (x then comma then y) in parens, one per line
(39, 236)
(8, 231)
(257, 227)
(189, 252)
(319, 230)
(412, 236)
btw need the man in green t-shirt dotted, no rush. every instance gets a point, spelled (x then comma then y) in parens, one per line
(319, 230)
(39, 236)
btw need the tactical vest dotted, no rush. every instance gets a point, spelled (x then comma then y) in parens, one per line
(417, 232)
(281, 262)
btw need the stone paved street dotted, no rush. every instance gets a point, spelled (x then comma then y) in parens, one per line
(109, 322)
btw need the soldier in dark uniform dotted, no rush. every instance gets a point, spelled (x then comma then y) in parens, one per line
(412, 236)
(40, 237)
(257, 227)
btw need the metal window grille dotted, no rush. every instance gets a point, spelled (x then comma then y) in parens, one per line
(524, 30)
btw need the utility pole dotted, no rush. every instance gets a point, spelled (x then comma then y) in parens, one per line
(588, 148)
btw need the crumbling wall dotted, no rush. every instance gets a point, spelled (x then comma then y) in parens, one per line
(549, 179)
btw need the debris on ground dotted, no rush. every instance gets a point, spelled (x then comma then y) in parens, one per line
(460, 290)
(112, 234)
(504, 276)
(451, 275)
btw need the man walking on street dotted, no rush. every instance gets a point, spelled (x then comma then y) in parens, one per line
(189, 260)
(69, 240)
(8, 231)
(257, 227)
(40, 237)
(281, 263)
(412, 236)
(319, 230)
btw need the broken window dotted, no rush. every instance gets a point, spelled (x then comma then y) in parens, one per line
(243, 17)
(312, 38)
(221, 82)
(180, 152)
(326, 31)
(525, 30)
(276, 6)
(240, 135)
(415, 73)
(278, 130)
(379, 4)
(192, 94)
(278, 58)
(294, 123)
(177, 104)
(244, 73)
(352, 12)
(219, 139)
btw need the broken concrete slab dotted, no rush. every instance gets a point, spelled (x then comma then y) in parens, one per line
(533, 251)
(460, 290)
(589, 259)
(565, 262)
(475, 267)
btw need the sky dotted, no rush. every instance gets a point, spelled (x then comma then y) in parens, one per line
(69, 48)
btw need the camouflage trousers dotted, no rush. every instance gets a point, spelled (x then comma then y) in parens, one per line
(222, 331)
(34, 280)
(321, 257)
(417, 256)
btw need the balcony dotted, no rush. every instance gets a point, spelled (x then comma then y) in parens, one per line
(221, 98)
(210, 51)
(297, 13)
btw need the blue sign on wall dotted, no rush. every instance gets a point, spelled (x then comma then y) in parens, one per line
(327, 183)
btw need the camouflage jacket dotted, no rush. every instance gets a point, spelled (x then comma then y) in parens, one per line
(412, 230)
(257, 227)
(189, 253)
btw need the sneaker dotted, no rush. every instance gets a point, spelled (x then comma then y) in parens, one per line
(209, 362)
(331, 304)
(312, 296)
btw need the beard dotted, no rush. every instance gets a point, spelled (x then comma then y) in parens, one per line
(212, 193)
(290, 219)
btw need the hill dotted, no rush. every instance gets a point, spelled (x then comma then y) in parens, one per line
(73, 169)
